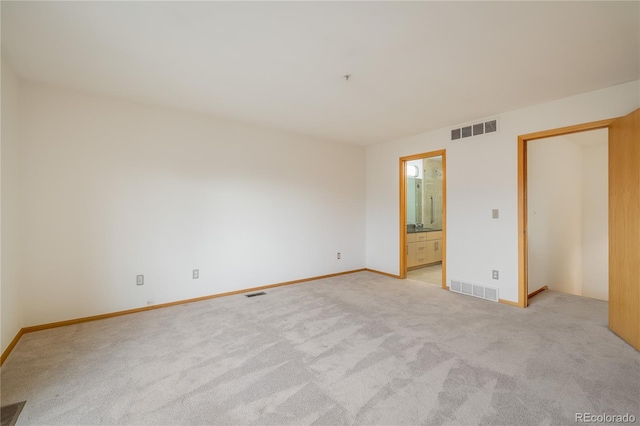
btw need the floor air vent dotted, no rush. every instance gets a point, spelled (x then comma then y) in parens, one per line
(255, 294)
(489, 126)
(482, 292)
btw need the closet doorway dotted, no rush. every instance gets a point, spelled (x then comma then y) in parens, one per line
(623, 220)
(567, 214)
(423, 217)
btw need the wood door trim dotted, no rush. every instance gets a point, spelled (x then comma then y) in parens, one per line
(444, 219)
(386, 274)
(594, 125)
(522, 194)
(538, 291)
(12, 345)
(508, 302)
(403, 210)
(403, 218)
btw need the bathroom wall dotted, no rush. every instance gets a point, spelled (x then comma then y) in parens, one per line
(432, 185)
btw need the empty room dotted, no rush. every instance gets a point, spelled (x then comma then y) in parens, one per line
(318, 213)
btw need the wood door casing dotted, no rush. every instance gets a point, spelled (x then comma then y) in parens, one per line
(624, 228)
(403, 211)
(624, 220)
(523, 141)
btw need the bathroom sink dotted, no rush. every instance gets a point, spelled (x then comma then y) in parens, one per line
(416, 230)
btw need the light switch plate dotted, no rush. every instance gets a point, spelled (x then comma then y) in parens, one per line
(495, 213)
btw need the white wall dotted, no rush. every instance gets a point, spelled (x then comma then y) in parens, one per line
(595, 220)
(113, 189)
(554, 197)
(481, 175)
(11, 305)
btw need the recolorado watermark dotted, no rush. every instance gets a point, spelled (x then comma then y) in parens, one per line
(605, 418)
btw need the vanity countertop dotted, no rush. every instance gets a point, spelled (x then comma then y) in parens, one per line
(415, 231)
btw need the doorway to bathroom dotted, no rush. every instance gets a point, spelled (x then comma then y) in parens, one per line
(423, 217)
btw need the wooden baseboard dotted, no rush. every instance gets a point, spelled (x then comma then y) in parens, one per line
(538, 291)
(382, 273)
(159, 306)
(13, 343)
(509, 302)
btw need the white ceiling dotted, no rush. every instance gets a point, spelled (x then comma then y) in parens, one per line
(415, 66)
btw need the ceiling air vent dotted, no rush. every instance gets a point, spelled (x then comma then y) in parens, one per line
(476, 129)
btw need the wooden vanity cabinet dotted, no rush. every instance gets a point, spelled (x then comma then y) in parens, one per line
(421, 248)
(411, 250)
(434, 247)
(424, 248)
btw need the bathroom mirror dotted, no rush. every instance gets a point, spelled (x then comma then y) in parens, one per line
(424, 193)
(414, 200)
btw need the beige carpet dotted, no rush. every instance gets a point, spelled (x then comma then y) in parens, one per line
(356, 349)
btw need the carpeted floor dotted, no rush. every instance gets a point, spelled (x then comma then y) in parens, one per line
(356, 349)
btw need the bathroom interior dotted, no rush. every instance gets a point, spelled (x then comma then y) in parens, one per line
(424, 219)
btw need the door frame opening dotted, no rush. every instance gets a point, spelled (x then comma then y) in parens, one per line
(403, 210)
(523, 249)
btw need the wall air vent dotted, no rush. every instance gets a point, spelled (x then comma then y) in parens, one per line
(476, 129)
(479, 291)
